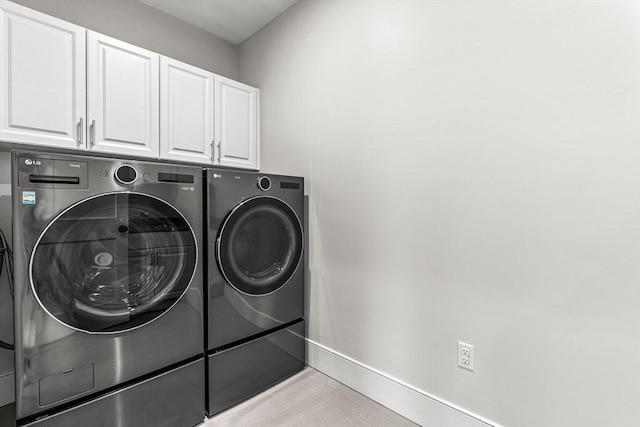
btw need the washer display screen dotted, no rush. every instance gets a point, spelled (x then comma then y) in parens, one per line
(113, 262)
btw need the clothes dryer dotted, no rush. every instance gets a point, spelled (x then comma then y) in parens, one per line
(108, 290)
(255, 299)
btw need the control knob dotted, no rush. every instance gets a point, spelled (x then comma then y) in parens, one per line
(126, 174)
(264, 183)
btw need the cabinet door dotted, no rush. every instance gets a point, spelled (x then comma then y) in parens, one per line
(236, 124)
(123, 97)
(42, 78)
(186, 112)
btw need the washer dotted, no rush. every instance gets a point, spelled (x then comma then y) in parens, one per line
(108, 290)
(255, 292)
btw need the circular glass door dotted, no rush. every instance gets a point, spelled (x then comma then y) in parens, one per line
(260, 245)
(113, 262)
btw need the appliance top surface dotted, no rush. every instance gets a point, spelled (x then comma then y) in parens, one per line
(103, 161)
(250, 173)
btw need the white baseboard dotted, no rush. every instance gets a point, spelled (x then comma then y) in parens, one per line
(408, 401)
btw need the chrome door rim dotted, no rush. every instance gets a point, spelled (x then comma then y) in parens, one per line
(221, 233)
(43, 232)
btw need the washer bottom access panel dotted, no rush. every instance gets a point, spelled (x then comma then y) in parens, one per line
(240, 372)
(171, 399)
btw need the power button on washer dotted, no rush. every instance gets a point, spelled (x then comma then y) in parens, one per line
(126, 174)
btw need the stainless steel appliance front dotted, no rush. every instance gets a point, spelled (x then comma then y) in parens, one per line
(255, 247)
(108, 284)
(255, 286)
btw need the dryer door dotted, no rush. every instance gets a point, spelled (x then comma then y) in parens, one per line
(113, 262)
(260, 245)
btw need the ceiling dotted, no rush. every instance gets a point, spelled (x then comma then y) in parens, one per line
(231, 20)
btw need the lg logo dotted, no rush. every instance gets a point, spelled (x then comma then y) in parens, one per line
(30, 162)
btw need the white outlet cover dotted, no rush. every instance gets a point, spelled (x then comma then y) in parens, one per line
(466, 357)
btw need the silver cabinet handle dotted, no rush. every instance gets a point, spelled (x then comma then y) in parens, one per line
(80, 130)
(212, 150)
(218, 152)
(92, 133)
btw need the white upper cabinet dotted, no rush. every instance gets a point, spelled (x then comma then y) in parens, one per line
(122, 97)
(67, 87)
(42, 79)
(236, 124)
(186, 112)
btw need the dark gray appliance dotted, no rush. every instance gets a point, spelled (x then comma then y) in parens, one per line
(7, 386)
(108, 290)
(255, 289)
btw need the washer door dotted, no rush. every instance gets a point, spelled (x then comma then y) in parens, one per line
(113, 262)
(260, 245)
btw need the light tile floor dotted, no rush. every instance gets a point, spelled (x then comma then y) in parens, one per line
(308, 399)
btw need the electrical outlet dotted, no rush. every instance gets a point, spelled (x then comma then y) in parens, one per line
(465, 356)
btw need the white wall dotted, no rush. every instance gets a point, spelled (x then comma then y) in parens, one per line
(144, 26)
(473, 172)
